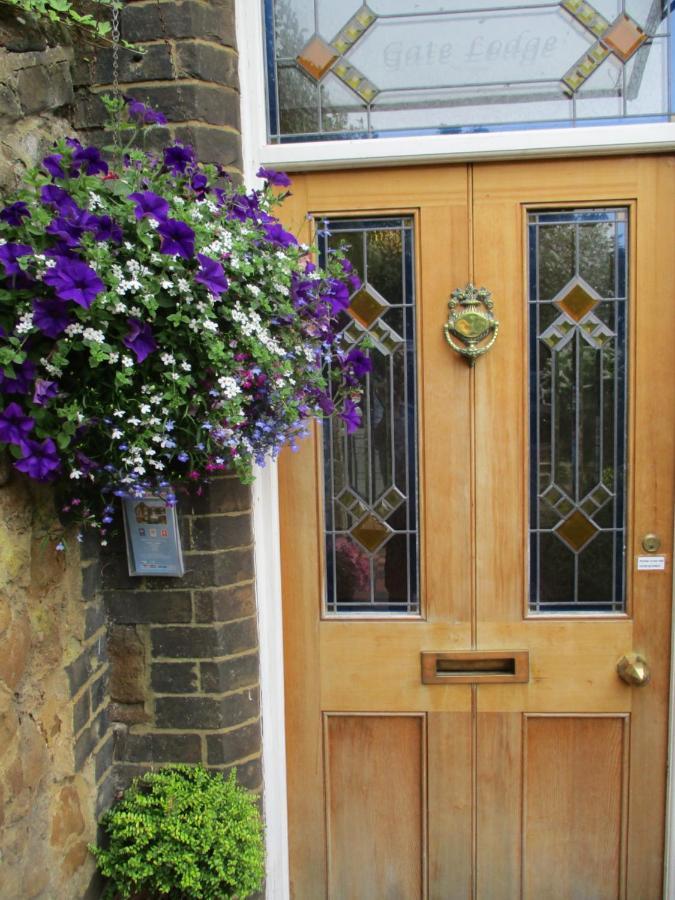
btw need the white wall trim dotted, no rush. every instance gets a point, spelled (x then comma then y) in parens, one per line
(265, 523)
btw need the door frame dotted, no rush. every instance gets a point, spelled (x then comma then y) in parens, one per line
(601, 140)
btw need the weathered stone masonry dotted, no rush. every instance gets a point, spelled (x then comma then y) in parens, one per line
(103, 676)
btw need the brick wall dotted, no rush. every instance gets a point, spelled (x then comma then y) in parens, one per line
(184, 651)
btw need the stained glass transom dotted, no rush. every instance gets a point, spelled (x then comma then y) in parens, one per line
(369, 69)
(370, 477)
(578, 337)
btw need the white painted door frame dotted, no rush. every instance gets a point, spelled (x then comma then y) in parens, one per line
(584, 141)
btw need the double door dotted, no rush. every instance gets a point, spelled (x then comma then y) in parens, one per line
(462, 576)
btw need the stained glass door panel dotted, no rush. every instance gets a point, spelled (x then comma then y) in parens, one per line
(561, 436)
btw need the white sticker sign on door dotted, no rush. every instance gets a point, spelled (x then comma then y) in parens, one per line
(651, 563)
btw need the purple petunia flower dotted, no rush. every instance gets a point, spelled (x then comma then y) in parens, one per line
(178, 157)
(50, 316)
(211, 275)
(89, 160)
(276, 235)
(351, 416)
(359, 363)
(74, 280)
(108, 230)
(53, 165)
(44, 390)
(24, 375)
(139, 339)
(70, 227)
(178, 239)
(337, 295)
(279, 179)
(40, 460)
(15, 425)
(14, 213)
(199, 184)
(326, 404)
(150, 204)
(143, 114)
(51, 195)
(10, 253)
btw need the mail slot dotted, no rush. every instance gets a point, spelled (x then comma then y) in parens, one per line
(476, 667)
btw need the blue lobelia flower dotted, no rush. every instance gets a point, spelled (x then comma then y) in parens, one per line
(211, 275)
(139, 339)
(74, 280)
(40, 460)
(15, 425)
(50, 316)
(150, 204)
(178, 239)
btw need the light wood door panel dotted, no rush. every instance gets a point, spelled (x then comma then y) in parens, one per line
(552, 788)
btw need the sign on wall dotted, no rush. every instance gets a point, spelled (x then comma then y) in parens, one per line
(152, 537)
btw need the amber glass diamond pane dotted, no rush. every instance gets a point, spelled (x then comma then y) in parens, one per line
(624, 37)
(371, 533)
(316, 57)
(366, 307)
(576, 530)
(576, 302)
(391, 501)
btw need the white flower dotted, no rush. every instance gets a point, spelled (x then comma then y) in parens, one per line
(134, 421)
(75, 328)
(92, 334)
(24, 324)
(186, 367)
(117, 434)
(127, 362)
(76, 473)
(145, 408)
(118, 413)
(128, 245)
(229, 387)
(168, 359)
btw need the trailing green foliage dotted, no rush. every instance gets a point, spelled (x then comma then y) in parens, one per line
(96, 26)
(185, 833)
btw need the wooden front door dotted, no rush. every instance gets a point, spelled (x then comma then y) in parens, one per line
(500, 509)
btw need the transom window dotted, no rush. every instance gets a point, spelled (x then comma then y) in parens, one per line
(385, 67)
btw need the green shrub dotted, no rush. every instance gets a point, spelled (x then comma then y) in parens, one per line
(185, 833)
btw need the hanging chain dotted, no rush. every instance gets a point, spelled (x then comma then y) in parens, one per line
(115, 34)
(175, 73)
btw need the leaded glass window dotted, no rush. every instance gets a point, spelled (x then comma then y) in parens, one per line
(370, 477)
(578, 383)
(369, 69)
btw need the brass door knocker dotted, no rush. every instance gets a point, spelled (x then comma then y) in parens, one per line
(475, 328)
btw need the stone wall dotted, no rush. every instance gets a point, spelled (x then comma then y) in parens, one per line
(55, 746)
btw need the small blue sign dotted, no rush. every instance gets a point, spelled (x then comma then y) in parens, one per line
(152, 536)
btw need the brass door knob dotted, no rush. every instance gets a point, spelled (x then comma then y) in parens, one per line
(634, 669)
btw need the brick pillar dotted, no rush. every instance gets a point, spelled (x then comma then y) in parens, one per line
(202, 104)
(184, 651)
